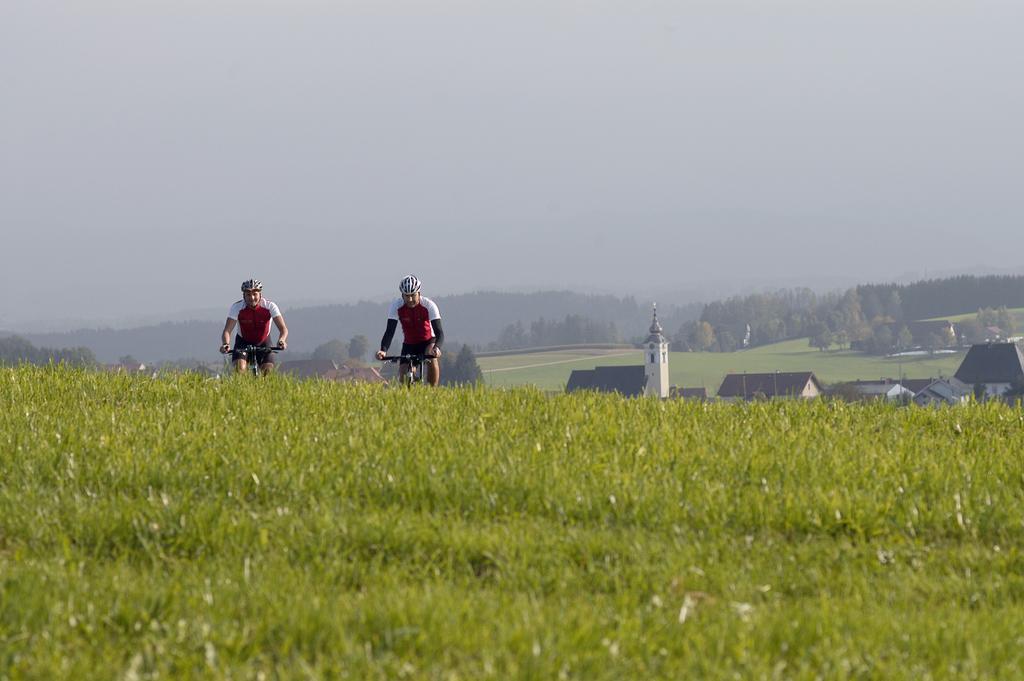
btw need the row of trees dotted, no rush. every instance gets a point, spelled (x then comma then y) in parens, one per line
(949, 296)
(573, 329)
(888, 336)
(762, 318)
(871, 318)
(355, 350)
(460, 368)
(17, 350)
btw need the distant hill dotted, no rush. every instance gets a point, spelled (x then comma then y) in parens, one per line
(475, 318)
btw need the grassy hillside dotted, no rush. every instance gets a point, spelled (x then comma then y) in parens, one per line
(183, 528)
(694, 369)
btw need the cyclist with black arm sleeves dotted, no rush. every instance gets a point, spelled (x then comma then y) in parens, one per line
(421, 328)
(253, 315)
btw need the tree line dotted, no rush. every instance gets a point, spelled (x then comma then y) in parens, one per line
(876, 319)
(17, 350)
(573, 329)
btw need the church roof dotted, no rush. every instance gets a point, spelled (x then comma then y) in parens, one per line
(655, 330)
(627, 380)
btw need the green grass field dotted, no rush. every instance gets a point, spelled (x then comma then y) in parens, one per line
(550, 371)
(262, 529)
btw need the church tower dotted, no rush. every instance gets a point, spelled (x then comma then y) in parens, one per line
(656, 360)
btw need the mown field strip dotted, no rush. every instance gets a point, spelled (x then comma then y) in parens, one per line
(267, 528)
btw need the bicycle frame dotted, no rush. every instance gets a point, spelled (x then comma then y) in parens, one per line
(254, 355)
(415, 362)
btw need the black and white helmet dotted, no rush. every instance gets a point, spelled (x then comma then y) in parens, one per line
(252, 285)
(409, 285)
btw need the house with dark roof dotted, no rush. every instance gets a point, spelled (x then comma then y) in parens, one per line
(916, 385)
(308, 368)
(882, 389)
(347, 374)
(992, 368)
(942, 391)
(625, 380)
(331, 371)
(780, 384)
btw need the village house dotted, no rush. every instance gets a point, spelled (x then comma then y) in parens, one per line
(916, 385)
(780, 384)
(941, 391)
(882, 389)
(345, 373)
(630, 381)
(308, 368)
(990, 369)
(330, 370)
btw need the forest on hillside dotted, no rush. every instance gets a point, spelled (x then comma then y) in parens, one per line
(875, 318)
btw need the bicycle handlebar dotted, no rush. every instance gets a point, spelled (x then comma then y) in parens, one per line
(406, 358)
(258, 349)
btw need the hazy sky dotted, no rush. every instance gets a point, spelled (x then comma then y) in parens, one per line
(153, 153)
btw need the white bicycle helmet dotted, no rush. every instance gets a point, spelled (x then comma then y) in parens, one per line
(252, 285)
(408, 285)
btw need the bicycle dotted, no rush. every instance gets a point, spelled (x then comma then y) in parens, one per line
(255, 356)
(415, 362)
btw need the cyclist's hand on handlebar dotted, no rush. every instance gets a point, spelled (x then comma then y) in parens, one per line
(282, 344)
(225, 349)
(380, 354)
(434, 352)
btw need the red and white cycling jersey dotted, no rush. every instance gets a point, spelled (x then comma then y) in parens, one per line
(416, 320)
(254, 323)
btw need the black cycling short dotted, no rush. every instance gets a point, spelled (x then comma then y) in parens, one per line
(265, 358)
(415, 348)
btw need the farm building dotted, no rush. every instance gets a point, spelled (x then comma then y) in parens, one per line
(996, 367)
(942, 391)
(626, 380)
(331, 371)
(882, 389)
(308, 368)
(780, 384)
